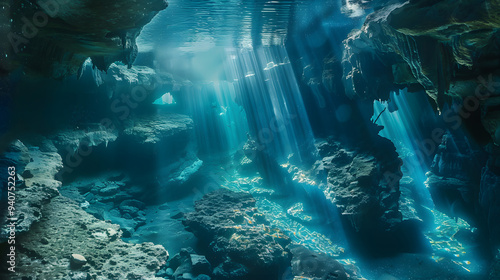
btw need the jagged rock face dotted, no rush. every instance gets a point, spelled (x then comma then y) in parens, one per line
(230, 225)
(452, 55)
(143, 84)
(54, 38)
(46, 251)
(455, 174)
(364, 184)
(453, 34)
(464, 182)
(71, 140)
(153, 136)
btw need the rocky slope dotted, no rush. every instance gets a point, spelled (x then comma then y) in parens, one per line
(35, 185)
(54, 237)
(48, 250)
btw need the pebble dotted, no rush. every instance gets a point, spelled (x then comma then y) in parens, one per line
(78, 260)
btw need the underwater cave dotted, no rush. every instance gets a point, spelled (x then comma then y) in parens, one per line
(250, 140)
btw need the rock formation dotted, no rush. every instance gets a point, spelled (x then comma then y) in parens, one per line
(230, 225)
(34, 188)
(48, 250)
(55, 238)
(363, 184)
(452, 57)
(54, 37)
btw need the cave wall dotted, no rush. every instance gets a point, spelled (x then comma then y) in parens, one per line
(54, 37)
(362, 169)
(452, 57)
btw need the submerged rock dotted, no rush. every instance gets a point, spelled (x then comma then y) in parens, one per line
(306, 263)
(69, 229)
(17, 155)
(364, 184)
(144, 84)
(200, 265)
(78, 260)
(223, 220)
(33, 193)
(230, 270)
(109, 190)
(48, 38)
(154, 129)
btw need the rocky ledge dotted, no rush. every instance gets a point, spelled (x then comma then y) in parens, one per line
(55, 37)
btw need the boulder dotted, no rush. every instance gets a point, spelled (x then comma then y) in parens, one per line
(200, 265)
(230, 271)
(224, 221)
(363, 183)
(306, 263)
(109, 190)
